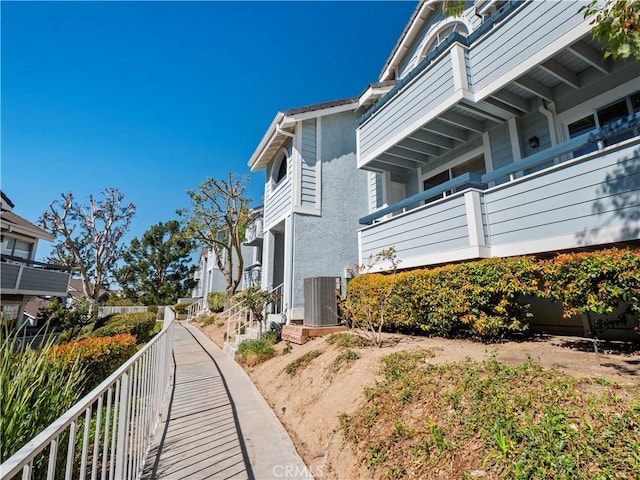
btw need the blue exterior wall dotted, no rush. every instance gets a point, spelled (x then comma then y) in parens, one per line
(325, 245)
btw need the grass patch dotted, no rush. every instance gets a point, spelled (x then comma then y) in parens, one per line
(347, 340)
(208, 320)
(344, 360)
(301, 362)
(253, 352)
(512, 422)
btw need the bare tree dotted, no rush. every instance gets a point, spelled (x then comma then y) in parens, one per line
(218, 217)
(89, 237)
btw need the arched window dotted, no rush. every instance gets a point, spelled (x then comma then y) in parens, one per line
(441, 34)
(279, 172)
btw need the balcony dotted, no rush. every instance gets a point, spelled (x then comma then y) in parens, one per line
(254, 234)
(575, 203)
(26, 277)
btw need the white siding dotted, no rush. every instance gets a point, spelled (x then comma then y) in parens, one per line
(309, 160)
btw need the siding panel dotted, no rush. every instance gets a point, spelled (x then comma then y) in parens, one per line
(278, 205)
(584, 197)
(430, 89)
(533, 27)
(309, 149)
(431, 230)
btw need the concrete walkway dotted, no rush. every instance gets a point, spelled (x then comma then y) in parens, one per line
(217, 424)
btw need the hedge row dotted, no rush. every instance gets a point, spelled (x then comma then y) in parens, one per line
(98, 357)
(484, 298)
(141, 325)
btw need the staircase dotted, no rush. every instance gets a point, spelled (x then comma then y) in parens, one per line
(242, 326)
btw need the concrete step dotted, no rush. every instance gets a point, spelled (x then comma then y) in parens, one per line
(230, 349)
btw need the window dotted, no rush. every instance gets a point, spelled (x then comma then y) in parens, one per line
(279, 172)
(605, 116)
(474, 165)
(16, 248)
(441, 35)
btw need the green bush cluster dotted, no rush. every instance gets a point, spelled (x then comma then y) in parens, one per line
(484, 299)
(97, 357)
(215, 301)
(141, 325)
(182, 307)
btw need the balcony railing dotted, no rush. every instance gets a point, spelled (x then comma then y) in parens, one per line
(28, 277)
(108, 433)
(253, 234)
(541, 158)
(582, 202)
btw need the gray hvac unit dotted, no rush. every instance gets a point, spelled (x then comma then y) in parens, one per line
(320, 303)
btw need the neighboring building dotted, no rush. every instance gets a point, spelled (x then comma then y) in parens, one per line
(313, 198)
(253, 238)
(76, 292)
(209, 278)
(22, 277)
(491, 142)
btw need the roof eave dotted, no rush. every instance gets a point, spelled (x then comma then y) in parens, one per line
(409, 33)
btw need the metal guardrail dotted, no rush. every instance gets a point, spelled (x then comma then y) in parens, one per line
(527, 163)
(34, 263)
(108, 433)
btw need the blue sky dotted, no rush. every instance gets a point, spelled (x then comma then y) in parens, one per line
(154, 97)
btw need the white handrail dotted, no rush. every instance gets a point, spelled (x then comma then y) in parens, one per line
(124, 410)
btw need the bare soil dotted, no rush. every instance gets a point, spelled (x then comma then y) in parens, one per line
(310, 402)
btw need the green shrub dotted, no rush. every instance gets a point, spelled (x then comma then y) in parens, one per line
(141, 325)
(480, 298)
(595, 284)
(34, 391)
(97, 357)
(215, 301)
(483, 299)
(152, 309)
(182, 307)
(253, 352)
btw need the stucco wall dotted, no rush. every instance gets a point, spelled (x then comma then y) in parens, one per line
(325, 245)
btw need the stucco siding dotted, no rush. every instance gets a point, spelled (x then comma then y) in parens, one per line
(325, 245)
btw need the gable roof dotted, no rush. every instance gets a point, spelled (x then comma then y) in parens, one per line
(423, 11)
(75, 290)
(15, 223)
(283, 126)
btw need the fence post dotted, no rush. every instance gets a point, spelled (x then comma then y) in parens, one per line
(123, 427)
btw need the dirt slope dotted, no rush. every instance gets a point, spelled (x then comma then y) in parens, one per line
(310, 402)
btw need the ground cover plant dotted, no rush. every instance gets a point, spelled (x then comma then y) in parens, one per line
(253, 352)
(34, 391)
(458, 420)
(301, 362)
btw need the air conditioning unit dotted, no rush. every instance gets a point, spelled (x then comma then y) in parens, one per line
(320, 301)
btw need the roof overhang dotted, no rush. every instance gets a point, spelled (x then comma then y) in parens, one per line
(28, 230)
(283, 127)
(422, 12)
